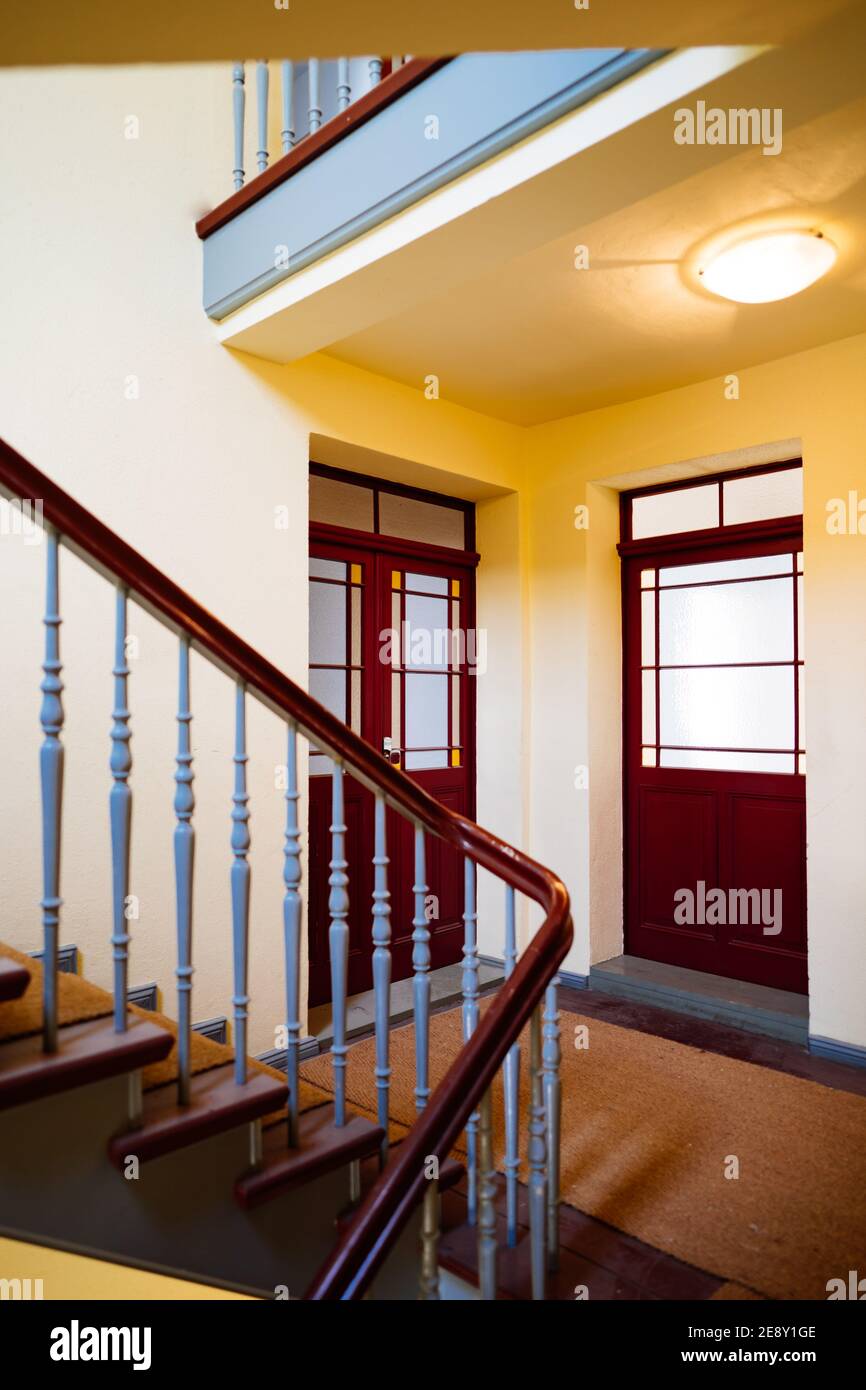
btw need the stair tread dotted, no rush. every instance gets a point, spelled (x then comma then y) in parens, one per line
(89, 1051)
(14, 978)
(322, 1148)
(217, 1103)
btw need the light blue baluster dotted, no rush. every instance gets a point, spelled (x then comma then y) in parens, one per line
(511, 1083)
(428, 1281)
(262, 80)
(550, 1057)
(375, 66)
(421, 980)
(382, 969)
(287, 134)
(292, 934)
(344, 90)
(338, 940)
(51, 778)
(184, 851)
(536, 1156)
(120, 813)
(240, 886)
(314, 114)
(429, 1278)
(486, 1200)
(470, 1023)
(238, 103)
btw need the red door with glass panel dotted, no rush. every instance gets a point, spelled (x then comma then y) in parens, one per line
(390, 656)
(715, 839)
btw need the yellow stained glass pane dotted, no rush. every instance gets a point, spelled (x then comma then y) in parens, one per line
(455, 588)
(395, 579)
(356, 574)
(647, 579)
(648, 757)
(455, 757)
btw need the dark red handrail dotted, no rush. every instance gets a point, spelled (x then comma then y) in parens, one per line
(378, 1221)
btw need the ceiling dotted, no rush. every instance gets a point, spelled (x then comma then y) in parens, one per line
(536, 339)
(103, 31)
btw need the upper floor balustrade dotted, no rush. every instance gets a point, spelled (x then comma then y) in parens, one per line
(361, 140)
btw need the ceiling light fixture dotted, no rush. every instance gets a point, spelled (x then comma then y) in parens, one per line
(769, 266)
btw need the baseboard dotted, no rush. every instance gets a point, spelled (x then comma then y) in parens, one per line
(572, 981)
(495, 962)
(145, 996)
(849, 1053)
(67, 959)
(277, 1057)
(564, 977)
(216, 1029)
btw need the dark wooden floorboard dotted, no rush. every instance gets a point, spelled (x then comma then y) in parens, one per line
(714, 1037)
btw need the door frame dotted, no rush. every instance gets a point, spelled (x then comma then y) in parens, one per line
(407, 552)
(778, 532)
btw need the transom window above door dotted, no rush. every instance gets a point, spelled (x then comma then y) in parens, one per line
(739, 499)
(362, 503)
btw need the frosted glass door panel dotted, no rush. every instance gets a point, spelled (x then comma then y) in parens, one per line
(426, 721)
(751, 621)
(427, 636)
(732, 707)
(327, 624)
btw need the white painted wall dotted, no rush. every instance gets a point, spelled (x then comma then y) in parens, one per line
(101, 284)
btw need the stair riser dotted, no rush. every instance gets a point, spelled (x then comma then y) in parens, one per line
(58, 1185)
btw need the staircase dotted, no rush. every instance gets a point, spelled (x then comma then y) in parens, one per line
(127, 1134)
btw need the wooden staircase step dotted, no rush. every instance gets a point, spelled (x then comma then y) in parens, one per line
(322, 1148)
(87, 1052)
(217, 1103)
(14, 979)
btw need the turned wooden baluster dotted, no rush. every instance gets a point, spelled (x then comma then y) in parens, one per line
(314, 113)
(550, 1058)
(184, 854)
(470, 1023)
(511, 1083)
(238, 105)
(51, 779)
(292, 934)
(120, 813)
(338, 940)
(240, 886)
(537, 1164)
(382, 969)
(429, 1281)
(344, 90)
(421, 980)
(287, 134)
(262, 82)
(486, 1200)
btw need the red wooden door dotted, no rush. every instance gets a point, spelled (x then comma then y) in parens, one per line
(391, 654)
(715, 840)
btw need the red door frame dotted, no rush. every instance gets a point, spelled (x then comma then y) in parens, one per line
(765, 963)
(381, 554)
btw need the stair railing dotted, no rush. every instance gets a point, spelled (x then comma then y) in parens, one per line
(491, 1040)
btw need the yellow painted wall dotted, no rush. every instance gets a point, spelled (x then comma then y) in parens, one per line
(817, 397)
(102, 285)
(61, 1275)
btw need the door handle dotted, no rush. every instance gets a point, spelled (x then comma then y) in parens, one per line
(390, 752)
